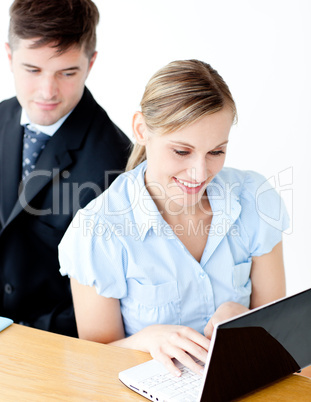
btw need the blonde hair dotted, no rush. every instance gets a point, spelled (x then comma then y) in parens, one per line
(178, 95)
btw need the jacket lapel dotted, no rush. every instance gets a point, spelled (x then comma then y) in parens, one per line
(10, 171)
(56, 155)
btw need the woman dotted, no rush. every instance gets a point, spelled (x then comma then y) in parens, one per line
(178, 242)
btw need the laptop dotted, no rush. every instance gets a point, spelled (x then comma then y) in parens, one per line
(246, 352)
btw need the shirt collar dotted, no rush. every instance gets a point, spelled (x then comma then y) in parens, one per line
(223, 200)
(49, 130)
(146, 213)
(226, 208)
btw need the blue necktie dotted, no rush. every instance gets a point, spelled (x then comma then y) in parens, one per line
(34, 143)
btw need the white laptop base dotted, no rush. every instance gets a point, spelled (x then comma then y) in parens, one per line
(154, 382)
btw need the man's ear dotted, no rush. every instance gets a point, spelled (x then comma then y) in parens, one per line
(91, 62)
(9, 53)
(140, 129)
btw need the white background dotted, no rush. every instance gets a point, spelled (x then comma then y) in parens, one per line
(262, 50)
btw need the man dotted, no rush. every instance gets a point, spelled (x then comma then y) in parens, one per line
(51, 51)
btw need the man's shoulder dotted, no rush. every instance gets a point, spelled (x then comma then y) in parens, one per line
(98, 120)
(9, 107)
(89, 107)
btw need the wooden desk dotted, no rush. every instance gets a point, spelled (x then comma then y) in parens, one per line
(40, 366)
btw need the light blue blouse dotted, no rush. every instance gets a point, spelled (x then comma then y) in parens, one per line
(121, 245)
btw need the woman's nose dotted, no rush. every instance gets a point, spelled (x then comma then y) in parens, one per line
(199, 172)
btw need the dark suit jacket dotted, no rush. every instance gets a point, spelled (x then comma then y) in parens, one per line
(78, 162)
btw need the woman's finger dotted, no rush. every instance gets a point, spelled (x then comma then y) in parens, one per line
(190, 346)
(167, 361)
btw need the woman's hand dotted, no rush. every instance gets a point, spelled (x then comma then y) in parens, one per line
(174, 341)
(165, 342)
(224, 312)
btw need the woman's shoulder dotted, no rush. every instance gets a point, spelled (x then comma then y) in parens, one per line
(261, 203)
(242, 183)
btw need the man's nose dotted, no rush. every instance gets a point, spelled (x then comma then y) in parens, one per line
(48, 87)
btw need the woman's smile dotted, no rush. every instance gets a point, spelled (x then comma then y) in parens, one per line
(189, 187)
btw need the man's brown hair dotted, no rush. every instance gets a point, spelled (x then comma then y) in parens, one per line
(62, 23)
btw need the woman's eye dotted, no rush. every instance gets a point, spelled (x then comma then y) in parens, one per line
(181, 153)
(216, 153)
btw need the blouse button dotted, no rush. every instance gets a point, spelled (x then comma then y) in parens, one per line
(202, 275)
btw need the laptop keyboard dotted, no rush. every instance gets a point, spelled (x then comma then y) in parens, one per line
(182, 389)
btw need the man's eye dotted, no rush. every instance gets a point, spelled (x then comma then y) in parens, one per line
(181, 153)
(69, 74)
(32, 70)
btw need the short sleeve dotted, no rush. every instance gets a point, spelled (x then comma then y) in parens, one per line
(263, 214)
(92, 254)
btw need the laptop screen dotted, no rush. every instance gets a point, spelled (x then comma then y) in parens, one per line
(269, 344)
